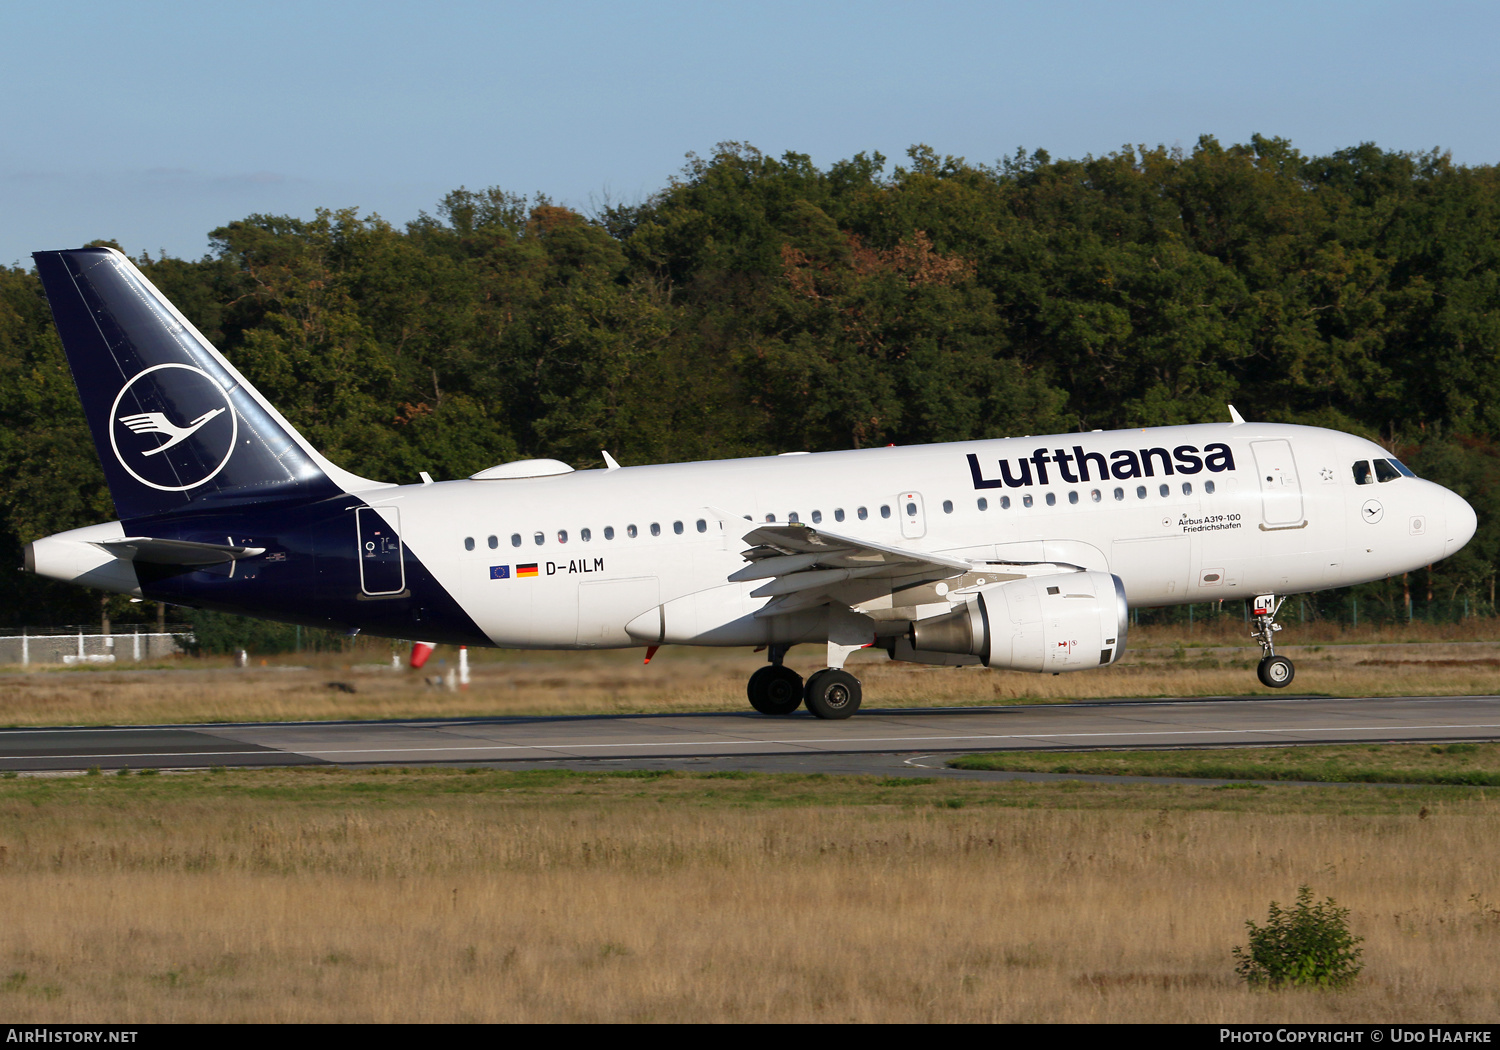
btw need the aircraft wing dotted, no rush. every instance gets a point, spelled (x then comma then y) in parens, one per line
(804, 566)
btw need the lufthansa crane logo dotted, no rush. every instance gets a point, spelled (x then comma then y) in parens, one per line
(172, 427)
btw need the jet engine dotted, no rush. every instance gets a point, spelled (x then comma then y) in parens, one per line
(1060, 622)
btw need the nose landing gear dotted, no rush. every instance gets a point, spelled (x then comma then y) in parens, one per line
(1274, 671)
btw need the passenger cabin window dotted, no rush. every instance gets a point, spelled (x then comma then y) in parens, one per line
(1119, 494)
(947, 506)
(539, 539)
(1026, 500)
(1095, 495)
(817, 517)
(1208, 487)
(1140, 492)
(609, 532)
(1187, 488)
(494, 542)
(631, 531)
(862, 513)
(515, 539)
(585, 534)
(1005, 503)
(838, 514)
(1165, 490)
(1362, 474)
(468, 543)
(1073, 497)
(702, 525)
(562, 535)
(677, 528)
(655, 528)
(793, 517)
(885, 510)
(1051, 499)
(984, 504)
(1385, 472)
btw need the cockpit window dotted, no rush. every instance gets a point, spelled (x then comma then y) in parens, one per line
(1385, 472)
(1402, 467)
(1362, 474)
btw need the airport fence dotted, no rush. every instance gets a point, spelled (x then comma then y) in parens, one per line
(1330, 607)
(88, 645)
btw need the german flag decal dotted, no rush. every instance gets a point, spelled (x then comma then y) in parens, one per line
(523, 571)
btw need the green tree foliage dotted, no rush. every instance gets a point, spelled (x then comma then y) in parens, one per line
(1307, 944)
(760, 304)
(224, 633)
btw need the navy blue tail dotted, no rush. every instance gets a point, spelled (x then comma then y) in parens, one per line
(173, 422)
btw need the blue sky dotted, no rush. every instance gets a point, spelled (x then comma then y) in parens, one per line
(152, 123)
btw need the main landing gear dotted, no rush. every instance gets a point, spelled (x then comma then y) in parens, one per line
(778, 690)
(1274, 671)
(775, 690)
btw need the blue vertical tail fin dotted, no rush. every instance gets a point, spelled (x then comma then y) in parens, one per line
(174, 423)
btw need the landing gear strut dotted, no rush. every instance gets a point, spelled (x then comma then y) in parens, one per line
(1274, 671)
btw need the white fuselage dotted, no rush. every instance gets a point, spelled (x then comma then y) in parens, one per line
(1288, 517)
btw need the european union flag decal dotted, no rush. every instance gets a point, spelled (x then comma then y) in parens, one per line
(499, 572)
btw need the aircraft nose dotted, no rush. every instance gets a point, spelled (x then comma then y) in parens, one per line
(1461, 523)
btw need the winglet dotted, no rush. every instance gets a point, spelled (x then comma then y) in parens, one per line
(1234, 416)
(609, 461)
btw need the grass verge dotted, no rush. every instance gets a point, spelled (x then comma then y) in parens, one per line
(1470, 764)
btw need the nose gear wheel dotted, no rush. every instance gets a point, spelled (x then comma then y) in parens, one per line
(1275, 672)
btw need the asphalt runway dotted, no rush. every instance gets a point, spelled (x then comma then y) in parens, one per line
(907, 741)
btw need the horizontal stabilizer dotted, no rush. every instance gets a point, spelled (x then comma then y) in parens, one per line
(150, 551)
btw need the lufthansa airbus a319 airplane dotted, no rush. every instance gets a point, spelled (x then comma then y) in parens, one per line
(1021, 553)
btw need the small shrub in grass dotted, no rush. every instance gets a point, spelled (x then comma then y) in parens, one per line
(1308, 944)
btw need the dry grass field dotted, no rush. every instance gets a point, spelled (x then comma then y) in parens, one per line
(334, 895)
(342, 895)
(1416, 660)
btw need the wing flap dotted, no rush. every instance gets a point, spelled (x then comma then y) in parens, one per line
(773, 564)
(796, 538)
(806, 567)
(816, 579)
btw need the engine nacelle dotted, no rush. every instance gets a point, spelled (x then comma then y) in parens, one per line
(1060, 622)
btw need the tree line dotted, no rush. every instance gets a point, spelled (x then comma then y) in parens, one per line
(760, 304)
